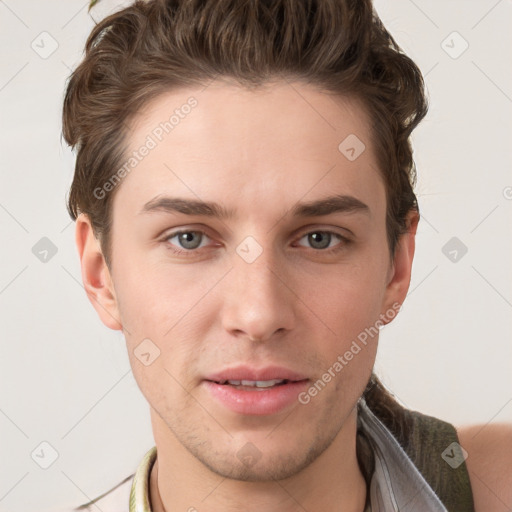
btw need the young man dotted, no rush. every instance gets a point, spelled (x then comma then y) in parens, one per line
(245, 215)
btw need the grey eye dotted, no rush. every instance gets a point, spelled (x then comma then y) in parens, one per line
(319, 239)
(190, 239)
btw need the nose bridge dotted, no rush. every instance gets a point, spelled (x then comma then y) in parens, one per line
(258, 279)
(257, 303)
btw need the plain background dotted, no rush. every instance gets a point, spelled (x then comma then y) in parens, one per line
(65, 378)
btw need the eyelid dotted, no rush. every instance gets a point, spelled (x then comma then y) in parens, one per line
(343, 240)
(343, 233)
(337, 235)
(337, 230)
(179, 231)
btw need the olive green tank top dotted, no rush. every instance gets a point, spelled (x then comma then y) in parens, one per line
(422, 469)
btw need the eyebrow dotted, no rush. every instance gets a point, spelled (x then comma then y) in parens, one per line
(331, 204)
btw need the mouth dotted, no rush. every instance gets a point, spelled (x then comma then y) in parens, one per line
(256, 396)
(255, 385)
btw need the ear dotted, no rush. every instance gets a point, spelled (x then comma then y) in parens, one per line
(399, 276)
(96, 275)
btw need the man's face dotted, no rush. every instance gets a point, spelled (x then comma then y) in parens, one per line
(267, 286)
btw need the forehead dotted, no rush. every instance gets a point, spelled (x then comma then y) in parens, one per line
(237, 144)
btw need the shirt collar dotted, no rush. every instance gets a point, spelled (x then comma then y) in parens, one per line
(397, 484)
(139, 493)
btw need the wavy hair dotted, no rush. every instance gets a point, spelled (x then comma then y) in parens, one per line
(154, 46)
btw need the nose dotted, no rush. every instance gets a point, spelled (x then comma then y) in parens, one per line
(258, 301)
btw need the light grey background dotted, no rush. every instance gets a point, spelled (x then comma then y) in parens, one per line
(65, 378)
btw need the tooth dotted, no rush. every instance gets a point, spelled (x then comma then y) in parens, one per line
(258, 383)
(265, 383)
(255, 383)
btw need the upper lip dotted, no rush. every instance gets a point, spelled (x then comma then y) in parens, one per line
(254, 374)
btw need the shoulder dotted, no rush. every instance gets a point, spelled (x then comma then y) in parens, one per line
(489, 464)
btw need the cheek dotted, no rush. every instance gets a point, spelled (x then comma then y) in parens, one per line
(353, 347)
(165, 313)
(163, 343)
(351, 306)
(351, 297)
(154, 299)
(349, 355)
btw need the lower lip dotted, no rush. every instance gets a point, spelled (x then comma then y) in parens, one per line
(257, 402)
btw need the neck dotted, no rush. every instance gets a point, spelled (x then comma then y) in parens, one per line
(333, 481)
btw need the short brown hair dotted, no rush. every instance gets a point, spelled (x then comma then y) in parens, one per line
(155, 46)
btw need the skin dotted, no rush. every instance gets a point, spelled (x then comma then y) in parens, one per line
(297, 305)
(489, 463)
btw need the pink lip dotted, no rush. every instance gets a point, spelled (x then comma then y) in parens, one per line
(256, 401)
(249, 373)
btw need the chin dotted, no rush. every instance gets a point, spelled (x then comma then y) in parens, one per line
(263, 461)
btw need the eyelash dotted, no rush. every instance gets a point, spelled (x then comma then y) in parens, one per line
(344, 241)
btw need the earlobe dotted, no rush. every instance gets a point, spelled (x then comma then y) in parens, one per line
(400, 274)
(95, 274)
